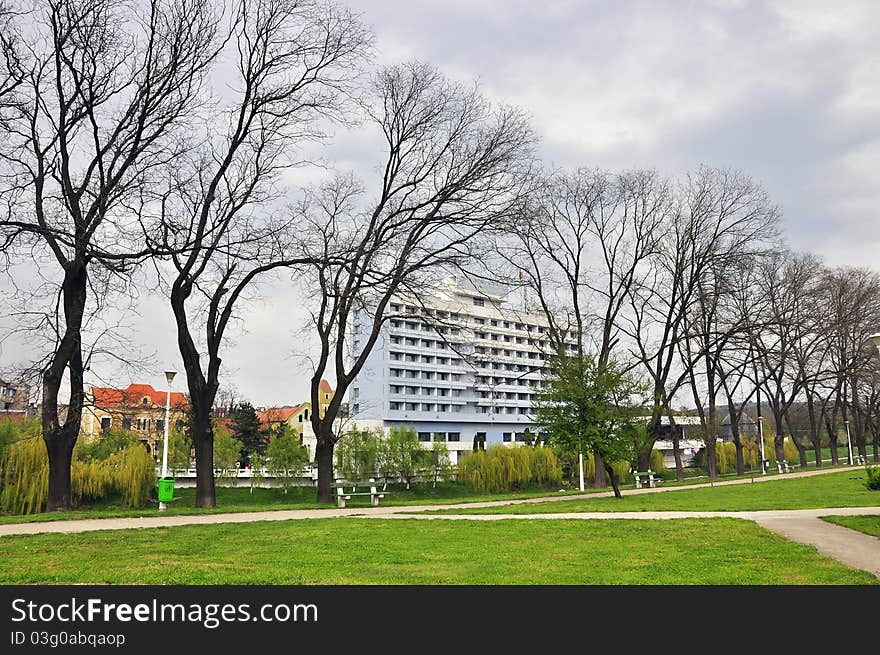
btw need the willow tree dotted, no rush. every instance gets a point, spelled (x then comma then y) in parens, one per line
(93, 96)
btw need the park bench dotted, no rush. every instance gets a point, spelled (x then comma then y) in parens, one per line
(342, 495)
(650, 478)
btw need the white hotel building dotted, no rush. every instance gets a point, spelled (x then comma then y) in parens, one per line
(459, 364)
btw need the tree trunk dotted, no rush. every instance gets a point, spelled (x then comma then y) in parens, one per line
(59, 448)
(815, 439)
(740, 460)
(599, 480)
(60, 438)
(711, 459)
(613, 476)
(324, 460)
(676, 453)
(875, 443)
(203, 440)
(832, 441)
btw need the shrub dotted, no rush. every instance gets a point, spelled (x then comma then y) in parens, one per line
(24, 475)
(873, 482)
(286, 457)
(500, 469)
(357, 454)
(657, 463)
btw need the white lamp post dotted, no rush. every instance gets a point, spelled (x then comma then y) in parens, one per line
(848, 444)
(761, 442)
(169, 376)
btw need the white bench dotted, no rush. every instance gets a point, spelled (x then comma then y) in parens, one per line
(342, 495)
(651, 478)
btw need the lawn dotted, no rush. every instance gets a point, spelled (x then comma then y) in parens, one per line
(364, 551)
(844, 489)
(867, 524)
(240, 499)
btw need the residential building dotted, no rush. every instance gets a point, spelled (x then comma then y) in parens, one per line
(14, 396)
(457, 364)
(299, 417)
(139, 408)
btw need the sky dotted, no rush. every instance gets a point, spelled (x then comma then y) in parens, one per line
(786, 91)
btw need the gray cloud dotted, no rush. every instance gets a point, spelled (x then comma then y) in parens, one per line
(785, 91)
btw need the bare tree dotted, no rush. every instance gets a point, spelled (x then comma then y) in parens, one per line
(571, 221)
(94, 94)
(719, 217)
(296, 65)
(455, 167)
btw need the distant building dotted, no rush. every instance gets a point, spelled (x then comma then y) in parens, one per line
(14, 396)
(139, 408)
(299, 416)
(688, 446)
(748, 428)
(456, 364)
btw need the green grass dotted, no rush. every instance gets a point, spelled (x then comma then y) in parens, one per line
(240, 499)
(844, 489)
(867, 524)
(364, 551)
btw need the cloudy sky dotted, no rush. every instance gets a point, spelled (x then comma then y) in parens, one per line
(786, 91)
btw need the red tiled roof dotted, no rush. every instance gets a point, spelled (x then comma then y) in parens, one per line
(324, 386)
(277, 414)
(133, 395)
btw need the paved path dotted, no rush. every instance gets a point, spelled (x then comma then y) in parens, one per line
(851, 547)
(162, 521)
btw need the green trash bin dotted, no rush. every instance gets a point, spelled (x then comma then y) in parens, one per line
(166, 490)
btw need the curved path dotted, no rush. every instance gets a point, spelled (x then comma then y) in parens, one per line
(851, 547)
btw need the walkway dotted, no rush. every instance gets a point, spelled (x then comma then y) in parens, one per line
(851, 547)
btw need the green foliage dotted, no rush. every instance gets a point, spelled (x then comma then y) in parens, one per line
(404, 453)
(286, 457)
(24, 476)
(133, 475)
(657, 463)
(873, 482)
(246, 429)
(107, 443)
(227, 451)
(584, 407)
(502, 469)
(357, 454)
(257, 463)
(439, 463)
(179, 451)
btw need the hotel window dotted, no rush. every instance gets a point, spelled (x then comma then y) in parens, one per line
(393, 406)
(160, 425)
(439, 436)
(424, 436)
(479, 302)
(453, 436)
(506, 437)
(479, 321)
(105, 422)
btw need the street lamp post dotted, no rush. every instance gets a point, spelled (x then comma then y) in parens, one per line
(169, 376)
(848, 443)
(761, 442)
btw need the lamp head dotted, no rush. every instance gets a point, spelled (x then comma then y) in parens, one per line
(169, 375)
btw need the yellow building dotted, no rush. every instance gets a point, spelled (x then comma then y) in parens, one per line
(140, 408)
